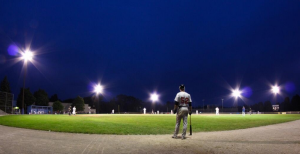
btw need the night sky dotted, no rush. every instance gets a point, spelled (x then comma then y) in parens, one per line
(138, 47)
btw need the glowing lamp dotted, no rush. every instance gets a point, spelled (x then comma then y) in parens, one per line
(154, 97)
(98, 89)
(236, 93)
(27, 55)
(275, 89)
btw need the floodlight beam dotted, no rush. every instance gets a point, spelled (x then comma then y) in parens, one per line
(98, 89)
(275, 89)
(27, 55)
(154, 97)
(236, 93)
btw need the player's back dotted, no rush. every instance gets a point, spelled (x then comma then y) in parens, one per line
(183, 98)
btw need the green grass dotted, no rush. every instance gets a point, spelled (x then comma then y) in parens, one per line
(139, 124)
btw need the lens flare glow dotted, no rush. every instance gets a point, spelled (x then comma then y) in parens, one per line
(98, 89)
(13, 50)
(275, 89)
(236, 93)
(154, 97)
(247, 92)
(27, 55)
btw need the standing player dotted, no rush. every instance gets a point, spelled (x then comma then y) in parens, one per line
(74, 110)
(243, 111)
(70, 110)
(144, 110)
(183, 107)
(217, 111)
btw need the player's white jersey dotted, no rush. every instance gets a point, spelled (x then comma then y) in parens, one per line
(183, 98)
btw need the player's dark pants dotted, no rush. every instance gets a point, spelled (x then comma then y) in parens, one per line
(182, 114)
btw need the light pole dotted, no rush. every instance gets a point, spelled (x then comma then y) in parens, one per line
(98, 89)
(26, 56)
(236, 93)
(275, 90)
(203, 104)
(154, 98)
(222, 105)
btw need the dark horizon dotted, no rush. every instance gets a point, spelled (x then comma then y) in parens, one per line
(136, 48)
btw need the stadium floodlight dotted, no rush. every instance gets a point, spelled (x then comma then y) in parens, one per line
(98, 89)
(236, 93)
(27, 55)
(154, 97)
(275, 89)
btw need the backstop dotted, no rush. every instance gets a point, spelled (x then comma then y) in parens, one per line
(6, 102)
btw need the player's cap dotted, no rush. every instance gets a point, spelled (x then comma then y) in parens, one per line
(182, 87)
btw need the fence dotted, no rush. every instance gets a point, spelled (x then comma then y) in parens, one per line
(6, 102)
(228, 110)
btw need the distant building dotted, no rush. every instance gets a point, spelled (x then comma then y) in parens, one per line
(275, 107)
(35, 109)
(66, 107)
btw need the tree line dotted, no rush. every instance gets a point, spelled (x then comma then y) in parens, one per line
(123, 103)
(286, 105)
(120, 103)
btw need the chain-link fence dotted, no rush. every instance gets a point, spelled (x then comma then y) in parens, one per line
(6, 102)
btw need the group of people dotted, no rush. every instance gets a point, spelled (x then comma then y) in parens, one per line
(152, 112)
(243, 111)
(182, 108)
(74, 110)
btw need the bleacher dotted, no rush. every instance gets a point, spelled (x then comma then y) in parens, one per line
(6, 101)
(2, 112)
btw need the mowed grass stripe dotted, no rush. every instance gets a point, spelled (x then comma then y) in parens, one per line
(139, 124)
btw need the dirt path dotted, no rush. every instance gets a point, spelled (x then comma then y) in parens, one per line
(279, 138)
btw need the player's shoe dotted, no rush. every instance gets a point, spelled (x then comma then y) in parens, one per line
(174, 137)
(183, 137)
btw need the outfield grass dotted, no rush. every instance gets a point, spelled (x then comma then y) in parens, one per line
(139, 124)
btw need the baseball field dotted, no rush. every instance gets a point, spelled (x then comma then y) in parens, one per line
(138, 123)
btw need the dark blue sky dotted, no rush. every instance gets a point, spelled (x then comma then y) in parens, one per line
(137, 47)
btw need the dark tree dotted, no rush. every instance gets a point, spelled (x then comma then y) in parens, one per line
(29, 99)
(169, 106)
(254, 107)
(128, 103)
(98, 103)
(41, 98)
(121, 101)
(268, 106)
(295, 103)
(78, 103)
(91, 100)
(260, 107)
(54, 98)
(57, 106)
(5, 85)
(286, 104)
